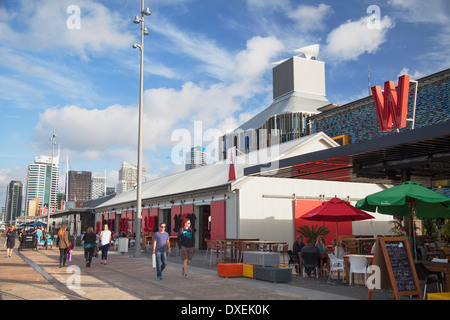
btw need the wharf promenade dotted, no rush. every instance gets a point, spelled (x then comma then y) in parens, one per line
(35, 275)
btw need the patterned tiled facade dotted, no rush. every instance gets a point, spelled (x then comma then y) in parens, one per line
(358, 119)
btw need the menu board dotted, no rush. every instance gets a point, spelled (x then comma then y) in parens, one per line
(401, 268)
(396, 267)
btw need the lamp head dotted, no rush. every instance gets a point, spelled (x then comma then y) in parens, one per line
(137, 20)
(135, 45)
(145, 31)
(146, 12)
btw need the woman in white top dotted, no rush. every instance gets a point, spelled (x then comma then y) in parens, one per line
(105, 238)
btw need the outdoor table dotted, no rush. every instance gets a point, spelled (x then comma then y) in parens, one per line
(232, 244)
(357, 244)
(322, 256)
(362, 241)
(369, 258)
(439, 267)
(270, 244)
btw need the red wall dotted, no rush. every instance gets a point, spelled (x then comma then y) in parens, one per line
(303, 206)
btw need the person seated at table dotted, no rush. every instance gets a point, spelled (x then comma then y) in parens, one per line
(296, 248)
(321, 244)
(298, 245)
(323, 247)
(338, 250)
(309, 248)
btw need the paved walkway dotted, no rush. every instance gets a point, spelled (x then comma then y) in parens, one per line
(36, 275)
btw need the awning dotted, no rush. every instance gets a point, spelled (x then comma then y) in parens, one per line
(422, 152)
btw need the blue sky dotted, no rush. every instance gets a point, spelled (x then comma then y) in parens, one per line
(207, 62)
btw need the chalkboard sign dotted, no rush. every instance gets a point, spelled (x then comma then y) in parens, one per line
(393, 257)
(401, 268)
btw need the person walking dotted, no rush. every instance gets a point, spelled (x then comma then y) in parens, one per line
(63, 244)
(90, 239)
(10, 240)
(105, 238)
(186, 243)
(160, 243)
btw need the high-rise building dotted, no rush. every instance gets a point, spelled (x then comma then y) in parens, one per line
(128, 177)
(195, 158)
(79, 185)
(98, 188)
(38, 183)
(13, 203)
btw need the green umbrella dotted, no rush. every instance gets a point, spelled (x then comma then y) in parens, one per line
(400, 201)
(407, 199)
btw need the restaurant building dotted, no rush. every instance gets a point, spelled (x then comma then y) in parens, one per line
(296, 153)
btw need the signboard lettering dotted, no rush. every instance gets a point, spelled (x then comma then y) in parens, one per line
(392, 107)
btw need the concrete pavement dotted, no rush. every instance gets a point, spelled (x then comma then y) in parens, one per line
(35, 275)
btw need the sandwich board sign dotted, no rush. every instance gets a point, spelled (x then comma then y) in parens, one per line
(396, 267)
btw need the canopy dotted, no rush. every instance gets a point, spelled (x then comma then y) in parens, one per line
(35, 224)
(336, 210)
(399, 201)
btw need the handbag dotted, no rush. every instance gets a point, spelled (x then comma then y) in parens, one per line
(69, 255)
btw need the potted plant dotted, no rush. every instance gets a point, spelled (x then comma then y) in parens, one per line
(313, 232)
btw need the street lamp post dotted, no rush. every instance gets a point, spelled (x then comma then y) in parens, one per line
(52, 139)
(138, 219)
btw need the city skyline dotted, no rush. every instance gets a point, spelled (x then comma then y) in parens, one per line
(73, 68)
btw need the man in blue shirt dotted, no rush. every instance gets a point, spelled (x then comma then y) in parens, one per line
(186, 242)
(160, 243)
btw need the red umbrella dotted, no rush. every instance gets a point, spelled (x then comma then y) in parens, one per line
(336, 210)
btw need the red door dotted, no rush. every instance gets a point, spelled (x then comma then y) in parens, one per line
(218, 220)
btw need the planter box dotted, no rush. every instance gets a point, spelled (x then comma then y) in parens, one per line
(230, 269)
(272, 274)
(261, 258)
(248, 270)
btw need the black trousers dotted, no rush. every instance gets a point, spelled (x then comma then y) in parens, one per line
(88, 253)
(62, 256)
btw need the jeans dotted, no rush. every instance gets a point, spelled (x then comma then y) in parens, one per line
(161, 262)
(105, 249)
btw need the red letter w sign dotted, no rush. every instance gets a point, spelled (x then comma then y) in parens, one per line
(391, 109)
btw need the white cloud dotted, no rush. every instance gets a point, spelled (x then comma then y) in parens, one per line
(6, 176)
(310, 17)
(353, 38)
(112, 132)
(45, 28)
(433, 12)
(254, 61)
(215, 61)
(82, 130)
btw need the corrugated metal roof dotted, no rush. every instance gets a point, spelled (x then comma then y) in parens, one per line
(216, 174)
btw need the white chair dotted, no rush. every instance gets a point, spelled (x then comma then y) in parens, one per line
(358, 264)
(336, 265)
